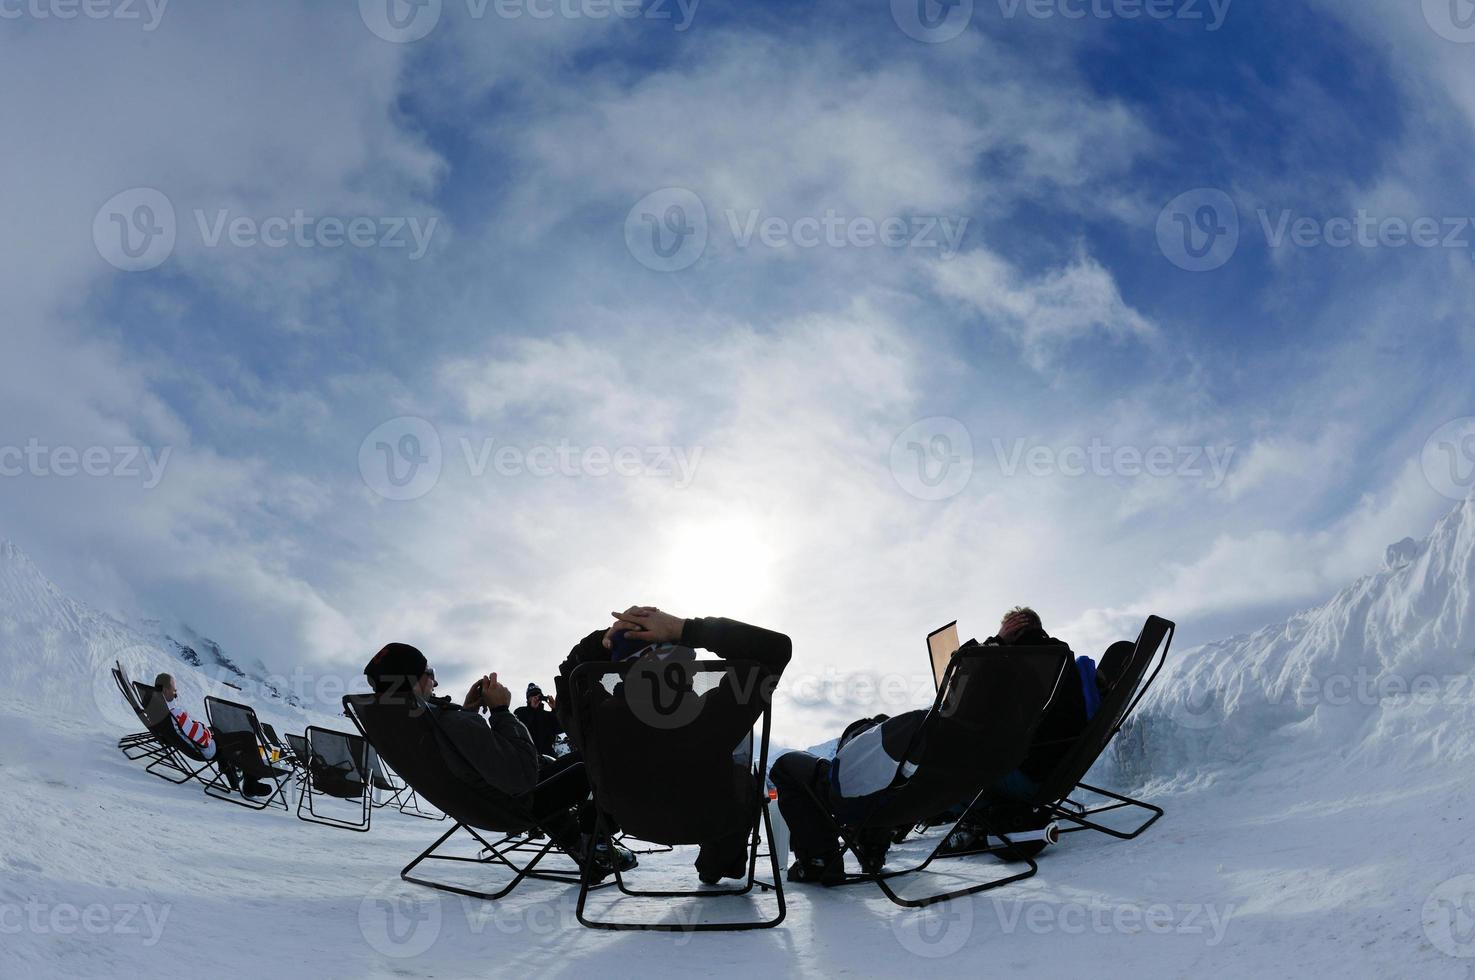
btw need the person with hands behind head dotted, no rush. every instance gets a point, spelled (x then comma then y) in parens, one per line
(700, 769)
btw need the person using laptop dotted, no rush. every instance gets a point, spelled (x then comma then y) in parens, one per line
(868, 763)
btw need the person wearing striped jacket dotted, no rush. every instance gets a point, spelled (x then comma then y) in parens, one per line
(198, 733)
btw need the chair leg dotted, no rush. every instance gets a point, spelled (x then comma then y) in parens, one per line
(167, 760)
(361, 826)
(499, 854)
(217, 788)
(881, 877)
(763, 822)
(410, 806)
(1079, 816)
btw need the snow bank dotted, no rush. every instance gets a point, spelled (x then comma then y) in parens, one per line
(1383, 674)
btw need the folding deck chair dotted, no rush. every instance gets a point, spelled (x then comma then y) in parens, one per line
(241, 744)
(403, 731)
(1055, 792)
(981, 724)
(297, 746)
(171, 757)
(665, 776)
(337, 766)
(1150, 650)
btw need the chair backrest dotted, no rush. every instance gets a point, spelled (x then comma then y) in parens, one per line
(662, 749)
(336, 763)
(297, 745)
(988, 707)
(154, 713)
(402, 730)
(272, 738)
(238, 736)
(1150, 651)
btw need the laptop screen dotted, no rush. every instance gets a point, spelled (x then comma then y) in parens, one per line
(941, 645)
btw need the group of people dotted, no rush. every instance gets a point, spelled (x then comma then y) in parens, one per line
(497, 750)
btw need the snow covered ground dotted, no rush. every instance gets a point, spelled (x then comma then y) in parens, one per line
(1315, 776)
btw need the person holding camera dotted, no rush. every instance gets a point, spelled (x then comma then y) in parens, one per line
(491, 750)
(539, 718)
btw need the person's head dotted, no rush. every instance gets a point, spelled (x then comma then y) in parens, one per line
(534, 696)
(1019, 621)
(399, 668)
(164, 684)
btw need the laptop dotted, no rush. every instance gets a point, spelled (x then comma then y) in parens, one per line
(941, 645)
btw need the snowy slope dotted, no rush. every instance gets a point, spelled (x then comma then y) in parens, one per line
(1383, 674)
(1300, 838)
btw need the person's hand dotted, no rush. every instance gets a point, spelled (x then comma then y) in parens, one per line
(647, 624)
(551, 702)
(472, 700)
(493, 694)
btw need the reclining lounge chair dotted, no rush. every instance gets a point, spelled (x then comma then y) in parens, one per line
(337, 767)
(171, 757)
(666, 775)
(980, 726)
(404, 733)
(241, 744)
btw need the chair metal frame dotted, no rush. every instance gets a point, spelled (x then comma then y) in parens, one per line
(218, 787)
(883, 878)
(761, 829)
(315, 769)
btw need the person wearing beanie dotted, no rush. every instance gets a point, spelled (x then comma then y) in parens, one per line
(539, 716)
(491, 750)
(497, 747)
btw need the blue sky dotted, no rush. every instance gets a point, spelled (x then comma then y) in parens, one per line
(533, 154)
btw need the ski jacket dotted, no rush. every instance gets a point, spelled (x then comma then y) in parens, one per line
(193, 731)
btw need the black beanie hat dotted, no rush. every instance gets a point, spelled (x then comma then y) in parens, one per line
(395, 663)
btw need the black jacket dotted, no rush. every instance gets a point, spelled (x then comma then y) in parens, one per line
(492, 750)
(1065, 715)
(659, 773)
(543, 726)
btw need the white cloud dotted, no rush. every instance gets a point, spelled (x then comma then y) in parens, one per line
(1045, 313)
